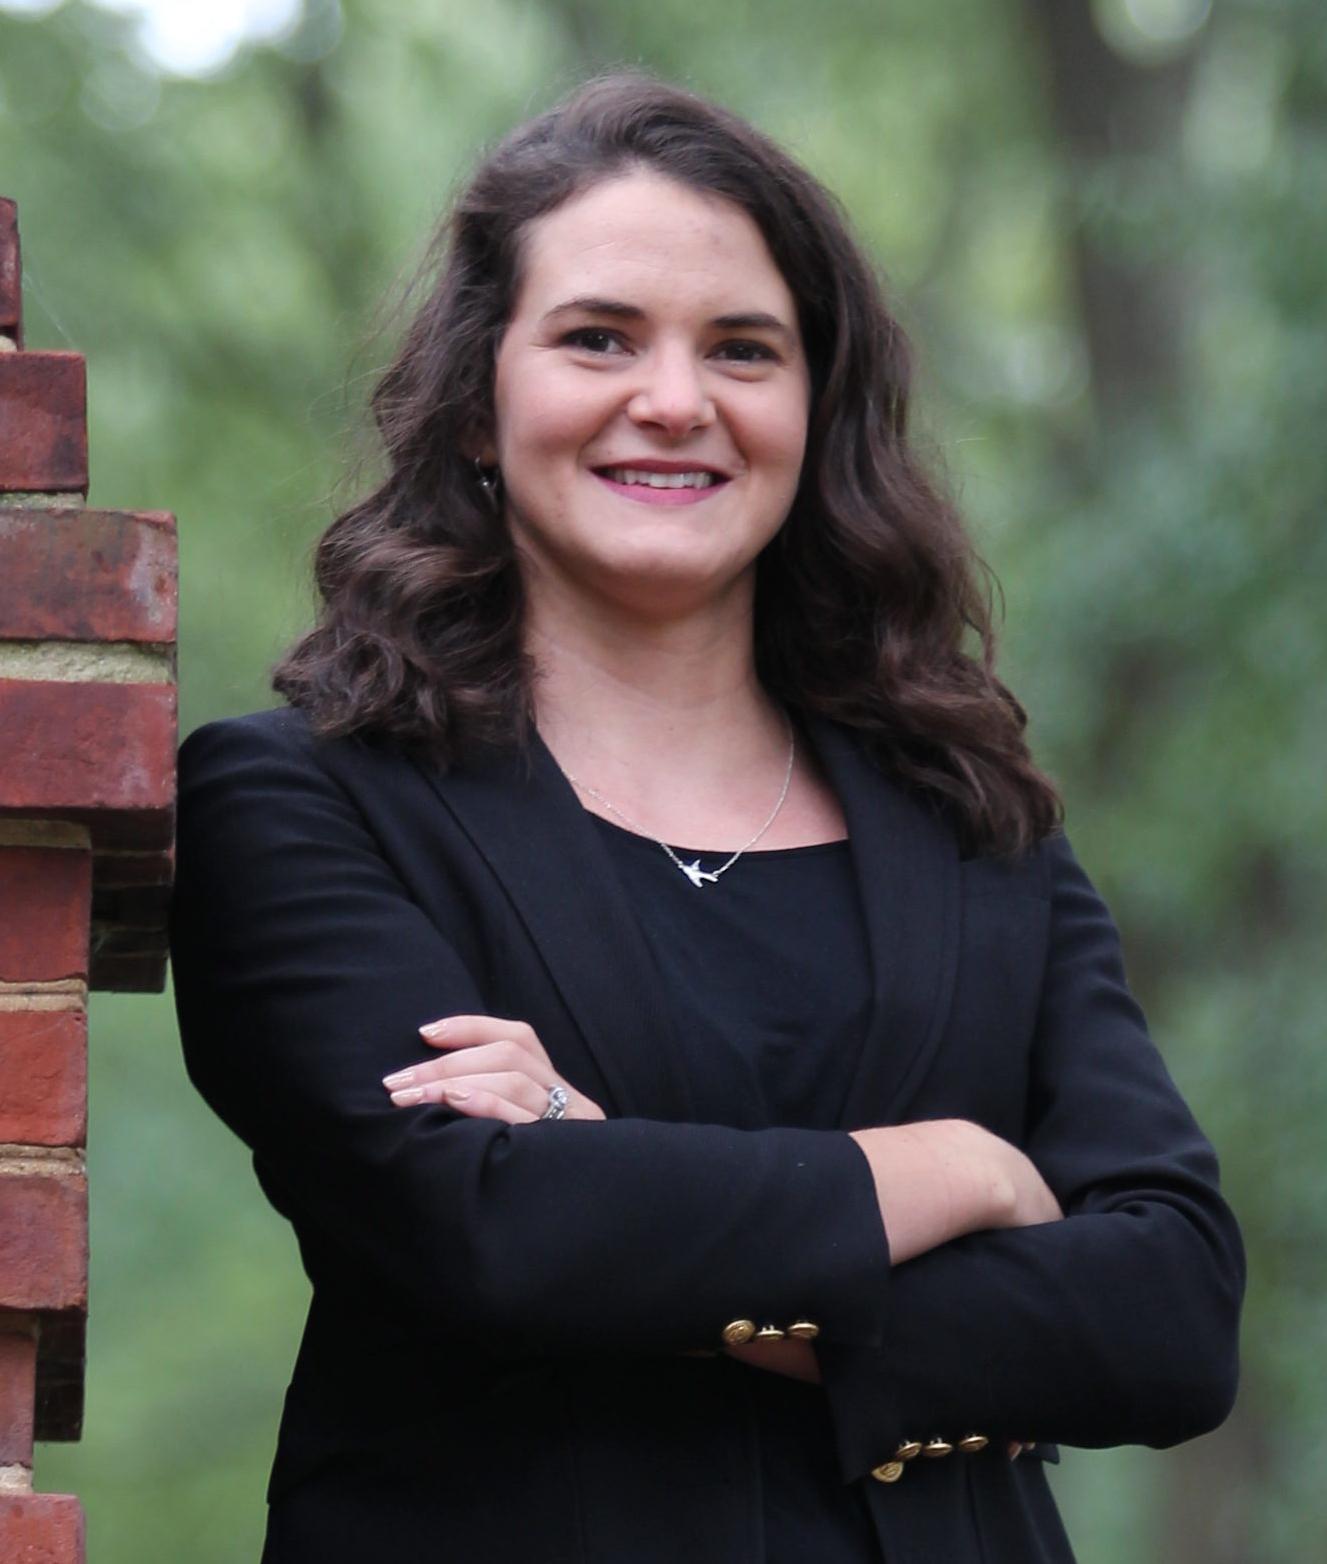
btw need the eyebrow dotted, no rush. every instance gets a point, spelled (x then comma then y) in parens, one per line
(615, 309)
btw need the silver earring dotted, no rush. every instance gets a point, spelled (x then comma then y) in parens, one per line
(489, 480)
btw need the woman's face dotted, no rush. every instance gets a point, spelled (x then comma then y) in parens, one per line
(651, 398)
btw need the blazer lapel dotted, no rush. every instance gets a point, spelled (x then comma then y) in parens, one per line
(528, 824)
(906, 864)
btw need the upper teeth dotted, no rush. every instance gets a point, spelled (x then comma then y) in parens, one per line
(662, 480)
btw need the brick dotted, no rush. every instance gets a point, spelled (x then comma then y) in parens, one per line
(45, 910)
(97, 754)
(88, 575)
(18, 1389)
(43, 1239)
(141, 973)
(130, 903)
(129, 939)
(112, 872)
(129, 906)
(61, 1362)
(43, 1068)
(11, 273)
(43, 422)
(128, 957)
(41, 1528)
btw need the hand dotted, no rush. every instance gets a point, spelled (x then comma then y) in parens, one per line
(792, 1358)
(938, 1179)
(493, 1069)
(1031, 1200)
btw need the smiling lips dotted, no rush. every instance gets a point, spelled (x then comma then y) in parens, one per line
(662, 486)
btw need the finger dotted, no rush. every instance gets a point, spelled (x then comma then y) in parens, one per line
(487, 1105)
(517, 1086)
(468, 1031)
(505, 1054)
(517, 1089)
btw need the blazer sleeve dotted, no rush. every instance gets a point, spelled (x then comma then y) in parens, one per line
(303, 968)
(1116, 1325)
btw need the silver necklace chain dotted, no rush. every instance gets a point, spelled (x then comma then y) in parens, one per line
(693, 870)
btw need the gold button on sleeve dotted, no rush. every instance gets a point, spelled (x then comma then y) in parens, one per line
(736, 1332)
(769, 1333)
(937, 1447)
(804, 1330)
(890, 1472)
(971, 1443)
(908, 1449)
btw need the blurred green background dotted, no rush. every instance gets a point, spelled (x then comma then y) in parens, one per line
(1105, 227)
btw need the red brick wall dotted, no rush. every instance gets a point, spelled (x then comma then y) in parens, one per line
(87, 779)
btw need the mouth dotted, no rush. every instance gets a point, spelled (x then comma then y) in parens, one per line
(683, 486)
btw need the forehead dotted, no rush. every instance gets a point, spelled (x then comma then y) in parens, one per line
(646, 239)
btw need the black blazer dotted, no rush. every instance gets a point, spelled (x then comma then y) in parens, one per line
(503, 1354)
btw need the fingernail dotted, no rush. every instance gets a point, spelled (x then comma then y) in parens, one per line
(455, 1094)
(433, 1029)
(401, 1078)
(411, 1095)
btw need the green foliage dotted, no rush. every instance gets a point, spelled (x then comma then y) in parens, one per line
(219, 248)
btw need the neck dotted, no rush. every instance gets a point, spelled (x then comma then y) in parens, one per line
(645, 706)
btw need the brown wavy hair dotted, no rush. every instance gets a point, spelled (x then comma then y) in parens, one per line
(871, 607)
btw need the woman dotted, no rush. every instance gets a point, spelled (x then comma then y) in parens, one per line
(642, 957)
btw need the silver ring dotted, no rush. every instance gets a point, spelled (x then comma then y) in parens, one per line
(557, 1103)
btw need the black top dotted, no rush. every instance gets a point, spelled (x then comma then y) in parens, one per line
(332, 896)
(769, 974)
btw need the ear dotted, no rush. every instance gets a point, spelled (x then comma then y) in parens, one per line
(476, 444)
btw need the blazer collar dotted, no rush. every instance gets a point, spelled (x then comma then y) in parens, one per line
(524, 818)
(526, 821)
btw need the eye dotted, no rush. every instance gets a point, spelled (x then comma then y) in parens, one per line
(745, 351)
(593, 339)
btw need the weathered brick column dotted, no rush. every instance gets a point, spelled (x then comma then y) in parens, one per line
(87, 758)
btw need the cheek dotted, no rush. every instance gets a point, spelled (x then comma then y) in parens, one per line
(541, 417)
(530, 426)
(775, 426)
(778, 441)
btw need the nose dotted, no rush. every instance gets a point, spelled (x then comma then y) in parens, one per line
(672, 395)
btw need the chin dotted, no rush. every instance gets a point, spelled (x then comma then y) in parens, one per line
(670, 589)
(666, 576)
